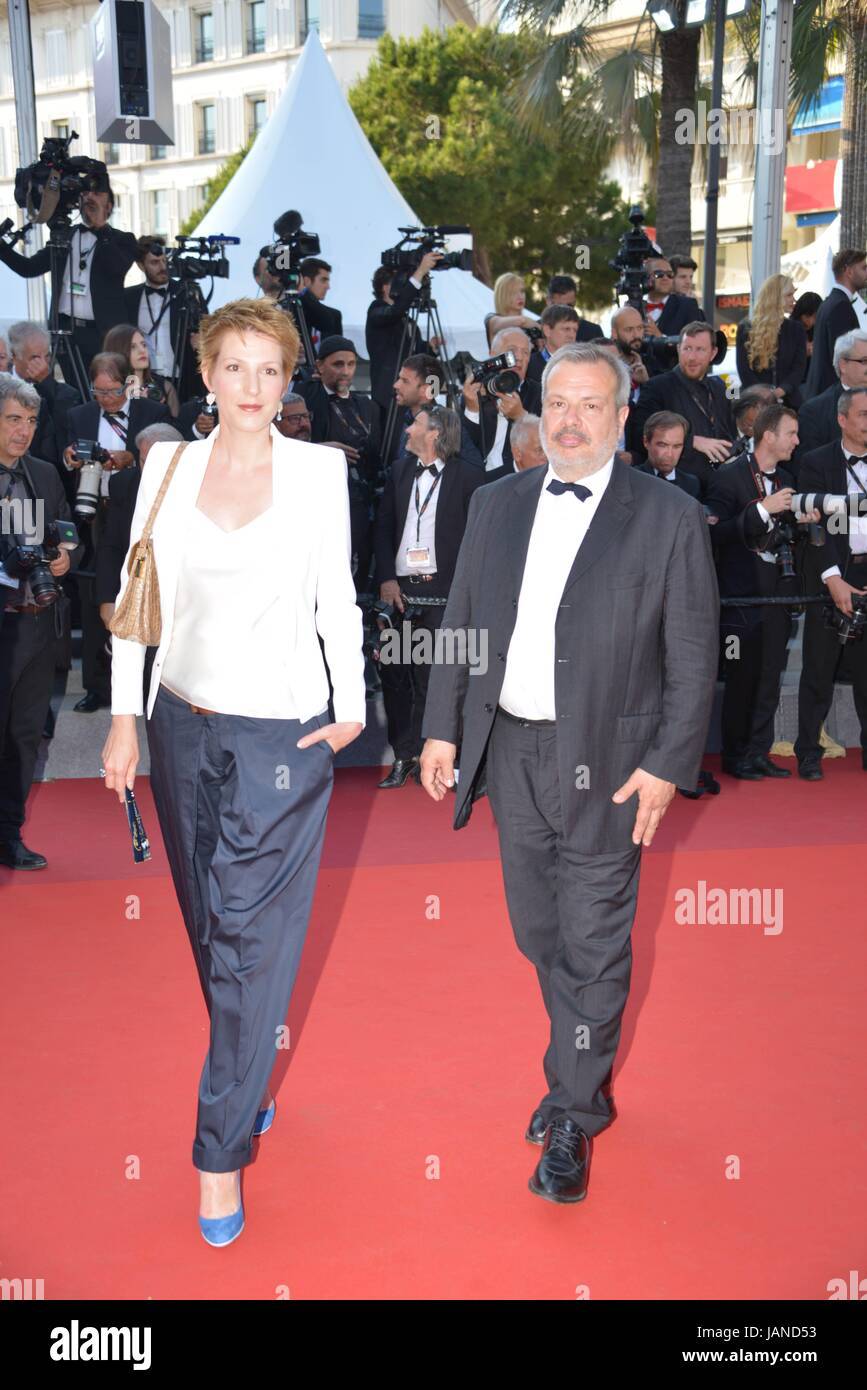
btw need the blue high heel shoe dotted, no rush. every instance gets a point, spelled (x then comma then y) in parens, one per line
(265, 1119)
(222, 1230)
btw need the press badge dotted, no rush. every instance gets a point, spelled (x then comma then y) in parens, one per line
(78, 287)
(417, 555)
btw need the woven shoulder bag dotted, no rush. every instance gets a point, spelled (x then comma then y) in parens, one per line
(137, 616)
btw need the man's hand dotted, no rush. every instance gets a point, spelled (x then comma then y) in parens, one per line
(435, 342)
(427, 263)
(841, 593)
(471, 391)
(654, 794)
(60, 566)
(437, 767)
(640, 374)
(204, 423)
(335, 735)
(717, 450)
(70, 458)
(120, 458)
(389, 592)
(651, 330)
(779, 501)
(106, 613)
(511, 406)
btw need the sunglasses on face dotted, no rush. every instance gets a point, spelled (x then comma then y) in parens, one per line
(662, 274)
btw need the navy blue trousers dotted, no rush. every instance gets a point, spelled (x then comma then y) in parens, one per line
(242, 812)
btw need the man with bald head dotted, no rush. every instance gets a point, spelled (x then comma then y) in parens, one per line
(490, 415)
(595, 588)
(627, 331)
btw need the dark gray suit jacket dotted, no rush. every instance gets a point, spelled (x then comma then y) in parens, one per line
(636, 645)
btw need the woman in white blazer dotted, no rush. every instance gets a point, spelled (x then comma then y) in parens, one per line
(252, 551)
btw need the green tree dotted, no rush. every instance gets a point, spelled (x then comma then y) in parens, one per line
(214, 187)
(434, 110)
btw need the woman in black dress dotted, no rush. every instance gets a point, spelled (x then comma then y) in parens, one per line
(771, 348)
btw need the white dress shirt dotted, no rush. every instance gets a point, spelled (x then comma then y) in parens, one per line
(110, 439)
(766, 517)
(495, 453)
(78, 305)
(857, 525)
(559, 527)
(159, 339)
(415, 532)
(654, 314)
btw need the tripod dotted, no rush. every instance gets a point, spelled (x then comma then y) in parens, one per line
(64, 348)
(290, 303)
(423, 305)
(191, 310)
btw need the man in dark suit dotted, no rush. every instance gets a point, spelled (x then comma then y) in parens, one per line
(419, 527)
(838, 568)
(154, 307)
(489, 417)
(29, 632)
(99, 257)
(418, 382)
(31, 356)
(817, 417)
(562, 289)
(664, 436)
(559, 325)
(665, 312)
(322, 321)
(627, 335)
(595, 587)
(112, 421)
(746, 495)
(387, 332)
(689, 390)
(837, 315)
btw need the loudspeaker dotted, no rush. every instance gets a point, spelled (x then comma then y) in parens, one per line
(132, 74)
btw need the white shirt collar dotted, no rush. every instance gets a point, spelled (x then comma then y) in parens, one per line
(597, 482)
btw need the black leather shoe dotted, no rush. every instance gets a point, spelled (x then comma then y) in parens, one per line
(536, 1128)
(561, 1174)
(401, 770)
(14, 854)
(741, 769)
(90, 702)
(810, 770)
(763, 764)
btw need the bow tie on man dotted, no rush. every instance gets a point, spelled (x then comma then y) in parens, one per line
(655, 304)
(156, 289)
(426, 468)
(558, 488)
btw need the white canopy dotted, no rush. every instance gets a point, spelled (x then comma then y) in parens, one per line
(312, 155)
(810, 267)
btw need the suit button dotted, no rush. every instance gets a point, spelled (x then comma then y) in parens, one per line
(500, 656)
(564, 716)
(489, 709)
(514, 603)
(565, 605)
(564, 658)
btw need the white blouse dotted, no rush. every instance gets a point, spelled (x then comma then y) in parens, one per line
(229, 650)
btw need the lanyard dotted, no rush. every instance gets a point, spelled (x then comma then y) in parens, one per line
(854, 476)
(155, 322)
(695, 397)
(420, 512)
(116, 426)
(759, 480)
(356, 426)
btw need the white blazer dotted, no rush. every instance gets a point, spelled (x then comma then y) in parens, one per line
(312, 573)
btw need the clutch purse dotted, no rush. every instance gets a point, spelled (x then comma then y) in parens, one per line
(137, 616)
(141, 849)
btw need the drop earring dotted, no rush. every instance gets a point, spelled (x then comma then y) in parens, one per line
(211, 398)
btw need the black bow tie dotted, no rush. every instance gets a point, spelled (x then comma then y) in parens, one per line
(772, 474)
(153, 289)
(426, 468)
(857, 458)
(558, 488)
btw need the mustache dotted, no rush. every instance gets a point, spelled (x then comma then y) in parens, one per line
(558, 434)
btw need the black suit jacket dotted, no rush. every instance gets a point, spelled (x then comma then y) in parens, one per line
(114, 540)
(83, 421)
(677, 312)
(733, 497)
(635, 645)
(484, 432)
(817, 421)
(459, 481)
(50, 439)
(687, 482)
(670, 391)
(383, 334)
(787, 368)
(320, 316)
(824, 470)
(112, 257)
(836, 316)
(48, 489)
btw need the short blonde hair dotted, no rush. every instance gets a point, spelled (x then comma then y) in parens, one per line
(504, 288)
(248, 316)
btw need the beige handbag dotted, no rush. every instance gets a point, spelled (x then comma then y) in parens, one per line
(137, 616)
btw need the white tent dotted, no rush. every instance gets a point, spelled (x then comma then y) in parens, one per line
(810, 267)
(312, 155)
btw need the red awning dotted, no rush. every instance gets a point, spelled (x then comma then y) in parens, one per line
(810, 190)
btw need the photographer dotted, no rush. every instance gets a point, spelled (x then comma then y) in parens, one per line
(270, 285)
(92, 301)
(818, 417)
(752, 498)
(744, 410)
(489, 414)
(627, 333)
(394, 295)
(665, 312)
(839, 567)
(419, 381)
(111, 421)
(350, 421)
(559, 325)
(419, 528)
(29, 632)
(31, 357)
(322, 322)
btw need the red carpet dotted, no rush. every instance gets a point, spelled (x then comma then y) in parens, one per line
(416, 1049)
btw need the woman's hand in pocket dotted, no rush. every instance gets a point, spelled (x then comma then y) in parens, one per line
(335, 735)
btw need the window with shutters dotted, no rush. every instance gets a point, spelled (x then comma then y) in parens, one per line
(160, 210)
(204, 37)
(207, 133)
(257, 115)
(255, 36)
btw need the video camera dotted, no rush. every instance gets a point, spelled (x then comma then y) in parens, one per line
(196, 257)
(290, 247)
(31, 562)
(420, 241)
(50, 190)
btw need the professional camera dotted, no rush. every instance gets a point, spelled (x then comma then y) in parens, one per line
(633, 249)
(847, 629)
(291, 246)
(419, 241)
(90, 476)
(198, 257)
(779, 542)
(494, 373)
(50, 190)
(205, 408)
(31, 561)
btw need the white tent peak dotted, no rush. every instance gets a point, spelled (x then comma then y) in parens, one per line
(312, 155)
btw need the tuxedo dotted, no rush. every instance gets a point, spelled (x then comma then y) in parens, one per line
(704, 405)
(632, 671)
(787, 368)
(404, 686)
(55, 400)
(687, 482)
(483, 431)
(835, 317)
(469, 449)
(825, 470)
(817, 421)
(754, 664)
(113, 254)
(383, 335)
(677, 311)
